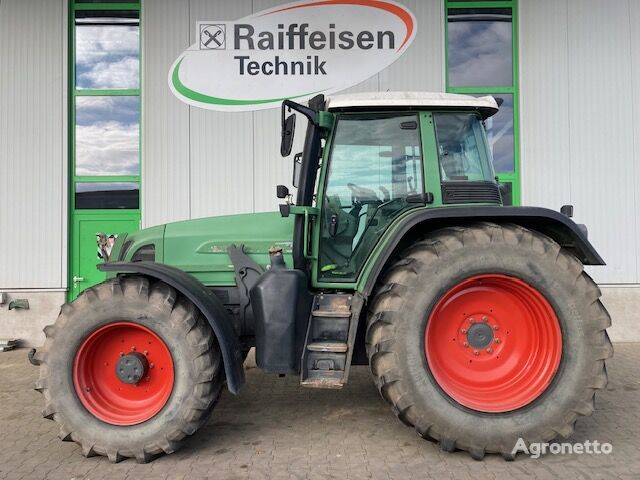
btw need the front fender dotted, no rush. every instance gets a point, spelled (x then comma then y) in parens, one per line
(206, 302)
(555, 225)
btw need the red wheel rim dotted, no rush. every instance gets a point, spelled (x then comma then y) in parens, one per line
(100, 389)
(493, 343)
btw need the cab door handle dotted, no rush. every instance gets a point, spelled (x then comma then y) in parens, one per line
(77, 280)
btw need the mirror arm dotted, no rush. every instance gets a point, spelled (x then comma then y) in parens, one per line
(310, 113)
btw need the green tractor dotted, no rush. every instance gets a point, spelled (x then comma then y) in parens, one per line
(477, 320)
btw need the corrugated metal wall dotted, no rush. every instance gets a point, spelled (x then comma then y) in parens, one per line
(198, 163)
(33, 131)
(580, 120)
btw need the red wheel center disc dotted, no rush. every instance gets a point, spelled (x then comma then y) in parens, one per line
(105, 395)
(493, 343)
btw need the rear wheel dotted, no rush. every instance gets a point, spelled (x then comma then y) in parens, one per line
(482, 335)
(129, 369)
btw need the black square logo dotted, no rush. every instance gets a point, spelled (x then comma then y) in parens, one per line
(213, 36)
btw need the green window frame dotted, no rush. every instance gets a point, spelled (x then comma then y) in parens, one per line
(512, 178)
(75, 93)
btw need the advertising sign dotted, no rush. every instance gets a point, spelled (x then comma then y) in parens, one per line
(294, 51)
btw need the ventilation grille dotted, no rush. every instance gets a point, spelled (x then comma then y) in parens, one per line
(470, 192)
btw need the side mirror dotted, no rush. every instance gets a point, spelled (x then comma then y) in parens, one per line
(297, 168)
(288, 130)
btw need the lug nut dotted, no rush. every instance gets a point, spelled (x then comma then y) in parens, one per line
(489, 350)
(122, 354)
(466, 344)
(476, 353)
(147, 378)
(146, 352)
(464, 330)
(495, 327)
(485, 319)
(133, 349)
(497, 340)
(472, 320)
(88, 389)
(151, 365)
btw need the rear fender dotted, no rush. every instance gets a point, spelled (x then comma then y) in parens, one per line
(555, 225)
(205, 301)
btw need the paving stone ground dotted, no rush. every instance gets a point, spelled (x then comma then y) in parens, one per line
(277, 429)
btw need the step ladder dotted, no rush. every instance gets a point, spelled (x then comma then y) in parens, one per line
(331, 332)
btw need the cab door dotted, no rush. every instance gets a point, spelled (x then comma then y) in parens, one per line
(374, 174)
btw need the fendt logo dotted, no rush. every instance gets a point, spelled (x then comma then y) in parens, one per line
(294, 51)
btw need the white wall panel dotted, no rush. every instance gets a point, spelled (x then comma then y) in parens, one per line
(634, 20)
(601, 135)
(544, 101)
(33, 159)
(578, 127)
(165, 120)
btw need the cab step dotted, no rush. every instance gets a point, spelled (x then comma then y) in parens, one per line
(336, 347)
(330, 339)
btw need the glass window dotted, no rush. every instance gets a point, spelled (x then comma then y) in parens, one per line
(107, 50)
(107, 135)
(500, 135)
(109, 1)
(462, 148)
(375, 164)
(107, 195)
(479, 47)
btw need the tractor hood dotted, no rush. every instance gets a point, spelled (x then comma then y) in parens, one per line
(199, 247)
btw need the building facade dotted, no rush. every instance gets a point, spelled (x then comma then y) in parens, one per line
(92, 140)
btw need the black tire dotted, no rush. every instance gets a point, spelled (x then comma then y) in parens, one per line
(196, 358)
(410, 289)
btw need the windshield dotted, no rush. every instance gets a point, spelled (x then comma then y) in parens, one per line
(375, 164)
(462, 148)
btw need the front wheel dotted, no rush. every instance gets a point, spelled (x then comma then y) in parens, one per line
(484, 334)
(129, 369)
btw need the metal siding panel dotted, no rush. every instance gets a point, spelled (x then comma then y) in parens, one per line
(544, 104)
(634, 20)
(222, 160)
(32, 151)
(165, 120)
(421, 68)
(601, 134)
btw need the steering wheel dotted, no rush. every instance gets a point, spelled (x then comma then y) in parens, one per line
(362, 195)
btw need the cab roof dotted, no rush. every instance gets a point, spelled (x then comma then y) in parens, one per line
(487, 106)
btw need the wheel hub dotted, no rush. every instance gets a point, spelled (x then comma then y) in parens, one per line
(480, 335)
(131, 368)
(493, 343)
(123, 389)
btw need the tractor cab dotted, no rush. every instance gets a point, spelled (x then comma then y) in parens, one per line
(381, 155)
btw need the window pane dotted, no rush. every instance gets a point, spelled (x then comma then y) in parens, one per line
(479, 49)
(118, 195)
(116, 1)
(107, 50)
(500, 135)
(107, 136)
(462, 149)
